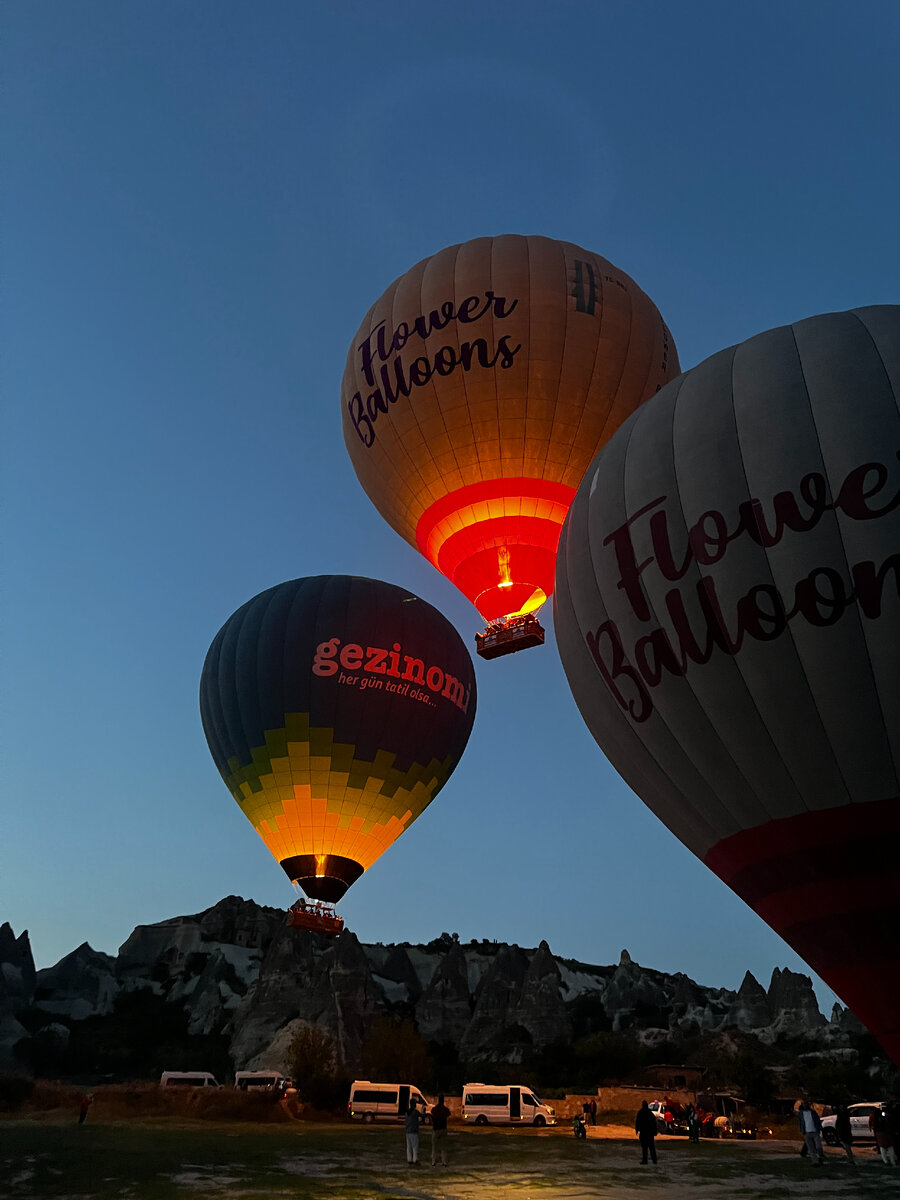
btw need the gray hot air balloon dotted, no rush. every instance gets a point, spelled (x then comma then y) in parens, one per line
(727, 610)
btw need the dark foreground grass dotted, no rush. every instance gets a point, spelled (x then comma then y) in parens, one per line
(156, 1161)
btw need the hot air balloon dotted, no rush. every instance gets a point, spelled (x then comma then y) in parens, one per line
(335, 708)
(477, 390)
(728, 615)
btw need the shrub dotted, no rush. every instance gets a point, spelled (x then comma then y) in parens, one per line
(14, 1091)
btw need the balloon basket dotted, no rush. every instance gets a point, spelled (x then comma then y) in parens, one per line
(318, 918)
(509, 635)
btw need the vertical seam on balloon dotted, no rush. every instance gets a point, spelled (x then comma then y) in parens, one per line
(431, 391)
(812, 416)
(730, 814)
(263, 721)
(771, 577)
(520, 466)
(601, 306)
(854, 313)
(560, 250)
(211, 706)
(400, 442)
(596, 356)
(654, 350)
(479, 470)
(615, 391)
(628, 432)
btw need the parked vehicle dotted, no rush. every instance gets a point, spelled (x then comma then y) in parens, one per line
(504, 1104)
(725, 1116)
(384, 1101)
(261, 1081)
(188, 1079)
(678, 1123)
(859, 1122)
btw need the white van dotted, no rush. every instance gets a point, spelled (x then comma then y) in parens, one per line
(504, 1104)
(188, 1079)
(261, 1081)
(383, 1101)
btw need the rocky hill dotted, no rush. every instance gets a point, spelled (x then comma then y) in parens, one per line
(236, 973)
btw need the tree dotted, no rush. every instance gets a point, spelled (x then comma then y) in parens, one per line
(312, 1061)
(394, 1052)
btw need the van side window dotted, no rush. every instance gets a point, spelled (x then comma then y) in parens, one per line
(528, 1099)
(488, 1099)
(373, 1096)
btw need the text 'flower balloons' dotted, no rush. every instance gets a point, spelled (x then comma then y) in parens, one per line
(335, 708)
(478, 389)
(728, 616)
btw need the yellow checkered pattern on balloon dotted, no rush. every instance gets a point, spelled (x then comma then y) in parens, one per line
(307, 794)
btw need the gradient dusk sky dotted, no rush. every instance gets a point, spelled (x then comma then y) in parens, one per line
(200, 201)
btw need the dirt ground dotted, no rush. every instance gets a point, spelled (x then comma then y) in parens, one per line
(160, 1161)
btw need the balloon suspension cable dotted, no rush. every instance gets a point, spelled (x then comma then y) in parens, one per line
(506, 635)
(315, 916)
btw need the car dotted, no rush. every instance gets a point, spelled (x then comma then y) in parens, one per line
(677, 1126)
(859, 1122)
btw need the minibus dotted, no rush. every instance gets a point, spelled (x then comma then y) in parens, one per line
(383, 1101)
(504, 1104)
(188, 1079)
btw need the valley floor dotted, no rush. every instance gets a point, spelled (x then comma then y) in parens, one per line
(50, 1158)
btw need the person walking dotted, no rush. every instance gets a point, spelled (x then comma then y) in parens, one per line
(811, 1132)
(440, 1115)
(645, 1128)
(413, 1118)
(843, 1130)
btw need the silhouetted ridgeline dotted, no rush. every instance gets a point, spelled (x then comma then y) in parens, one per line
(228, 988)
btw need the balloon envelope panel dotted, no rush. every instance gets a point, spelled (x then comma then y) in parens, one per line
(728, 616)
(478, 389)
(335, 708)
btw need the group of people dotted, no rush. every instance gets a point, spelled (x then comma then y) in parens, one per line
(884, 1125)
(440, 1115)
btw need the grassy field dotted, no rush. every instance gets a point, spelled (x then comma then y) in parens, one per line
(159, 1160)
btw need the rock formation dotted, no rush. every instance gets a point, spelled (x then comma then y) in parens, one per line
(243, 976)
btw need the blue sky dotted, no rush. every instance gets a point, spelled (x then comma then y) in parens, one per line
(201, 201)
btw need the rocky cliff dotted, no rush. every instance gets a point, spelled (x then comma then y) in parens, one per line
(243, 976)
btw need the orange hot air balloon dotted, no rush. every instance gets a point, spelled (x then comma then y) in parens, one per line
(476, 393)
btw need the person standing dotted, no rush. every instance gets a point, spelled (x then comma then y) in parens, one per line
(811, 1131)
(86, 1101)
(645, 1128)
(882, 1127)
(440, 1115)
(843, 1130)
(413, 1117)
(593, 1111)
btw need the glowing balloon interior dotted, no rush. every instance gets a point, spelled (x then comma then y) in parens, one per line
(478, 389)
(335, 709)
(728, 616)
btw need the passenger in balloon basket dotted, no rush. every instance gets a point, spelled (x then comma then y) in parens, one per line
(645, 1128)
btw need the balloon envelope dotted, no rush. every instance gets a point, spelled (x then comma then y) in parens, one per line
(478, 389)
(728, 617)
(335, 708)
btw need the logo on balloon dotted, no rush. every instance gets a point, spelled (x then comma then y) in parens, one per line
(362, 666)
(389, 373)
(763, 613)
